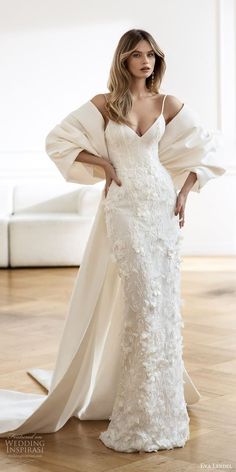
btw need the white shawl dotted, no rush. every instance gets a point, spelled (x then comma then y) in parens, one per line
(185, 146)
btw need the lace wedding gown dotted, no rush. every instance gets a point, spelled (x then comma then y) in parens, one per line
(144, 234)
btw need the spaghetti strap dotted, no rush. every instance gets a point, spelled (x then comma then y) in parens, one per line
(163, 102)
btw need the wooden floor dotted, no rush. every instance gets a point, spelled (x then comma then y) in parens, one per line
(33, 308)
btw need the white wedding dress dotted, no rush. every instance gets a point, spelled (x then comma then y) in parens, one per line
(120, 354)
(150, 410)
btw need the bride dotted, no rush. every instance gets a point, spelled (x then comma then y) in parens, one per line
(120, 356)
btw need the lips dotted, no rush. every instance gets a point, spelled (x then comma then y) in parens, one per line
(145, 68)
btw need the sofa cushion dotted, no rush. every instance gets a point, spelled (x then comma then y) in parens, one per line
(48, 239)
(46, 197)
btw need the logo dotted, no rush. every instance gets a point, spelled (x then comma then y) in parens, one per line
(25, 446)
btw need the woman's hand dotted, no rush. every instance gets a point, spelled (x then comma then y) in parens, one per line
(182, 196)
(180, 207)
(110, 175)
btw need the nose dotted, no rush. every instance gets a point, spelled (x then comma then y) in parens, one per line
(146, 62)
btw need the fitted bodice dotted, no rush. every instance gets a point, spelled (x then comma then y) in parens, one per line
(136, 162)
(128, 150)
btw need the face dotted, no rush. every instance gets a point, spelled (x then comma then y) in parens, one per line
(142, 57)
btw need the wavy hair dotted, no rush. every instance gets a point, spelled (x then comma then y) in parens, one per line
(120, 101)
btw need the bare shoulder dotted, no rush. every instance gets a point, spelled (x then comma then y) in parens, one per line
(172, 107)
(100, 101)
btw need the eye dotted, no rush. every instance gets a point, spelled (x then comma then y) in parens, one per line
(137, 54)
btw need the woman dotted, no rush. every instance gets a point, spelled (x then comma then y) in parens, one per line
(120, 355)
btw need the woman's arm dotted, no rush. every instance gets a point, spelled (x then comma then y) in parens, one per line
(188, 184)
(99, 101)
(89, 158)
(110, 173)
(173, 106)
(182, 197)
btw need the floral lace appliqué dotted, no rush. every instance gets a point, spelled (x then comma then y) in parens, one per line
(149, 412)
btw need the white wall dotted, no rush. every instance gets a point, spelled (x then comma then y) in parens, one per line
(57, 55)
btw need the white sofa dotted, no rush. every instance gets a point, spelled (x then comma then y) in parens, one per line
(46, 223)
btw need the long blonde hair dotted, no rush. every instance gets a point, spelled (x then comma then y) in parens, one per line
(119, 102)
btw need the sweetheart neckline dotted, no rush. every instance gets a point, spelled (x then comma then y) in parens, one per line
(144, 134)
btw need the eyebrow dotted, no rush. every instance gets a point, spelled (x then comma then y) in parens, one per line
(150, 50)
